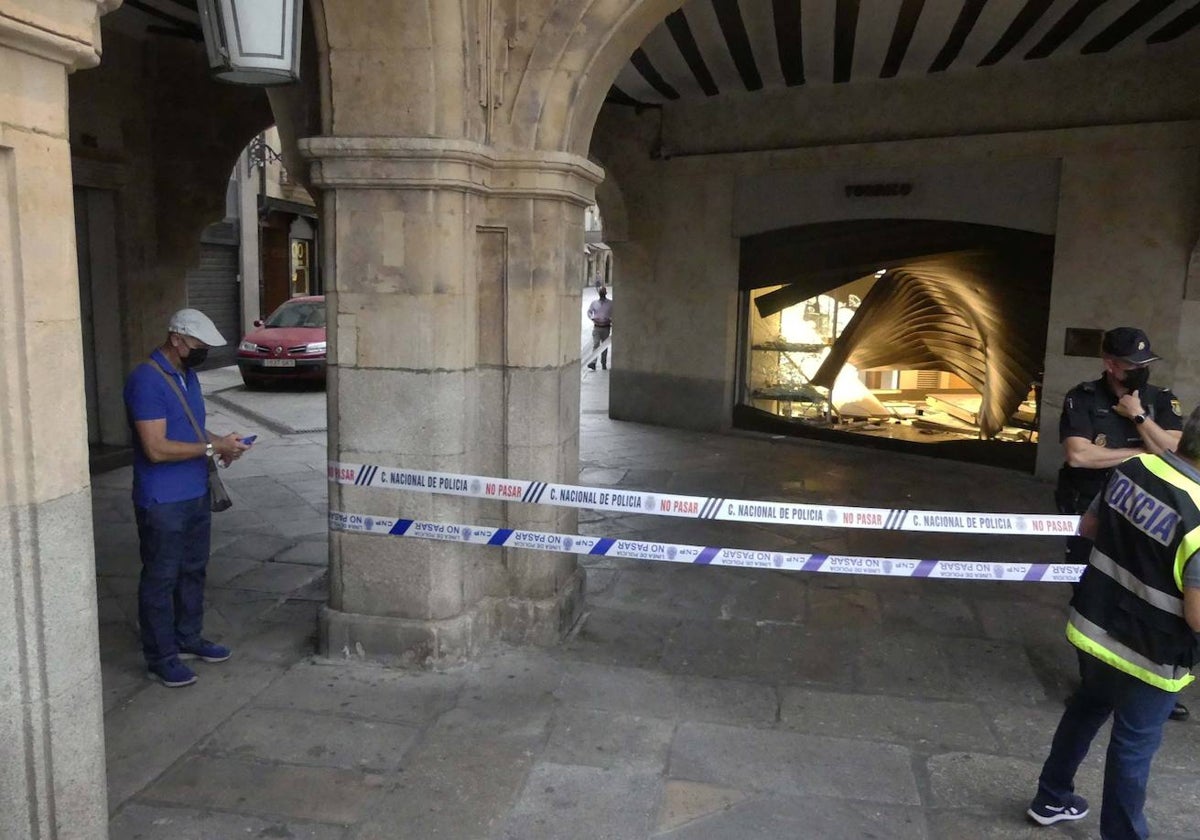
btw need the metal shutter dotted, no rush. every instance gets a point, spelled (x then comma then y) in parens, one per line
(212, 288)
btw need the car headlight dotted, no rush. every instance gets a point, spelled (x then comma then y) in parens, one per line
(315, 347)
(248, 346)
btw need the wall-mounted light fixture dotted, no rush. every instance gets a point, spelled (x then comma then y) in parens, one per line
(253, 42)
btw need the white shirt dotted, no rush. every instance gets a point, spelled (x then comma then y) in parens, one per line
(601, 312)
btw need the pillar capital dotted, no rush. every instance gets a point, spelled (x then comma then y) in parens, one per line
(74, 43)
(430, 163)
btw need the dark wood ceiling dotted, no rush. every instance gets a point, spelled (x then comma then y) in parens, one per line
(712, 47)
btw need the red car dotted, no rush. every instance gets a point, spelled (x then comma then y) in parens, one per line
(288, 346)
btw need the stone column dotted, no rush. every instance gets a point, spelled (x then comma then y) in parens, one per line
(51, 721)
(452, 271)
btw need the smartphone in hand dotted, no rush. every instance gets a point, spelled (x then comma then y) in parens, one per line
(249, 439)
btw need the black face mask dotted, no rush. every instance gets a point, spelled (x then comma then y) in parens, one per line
(1136, 379)
(196, 356)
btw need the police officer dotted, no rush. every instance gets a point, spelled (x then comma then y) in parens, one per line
(1107, 420)
(1135, 622)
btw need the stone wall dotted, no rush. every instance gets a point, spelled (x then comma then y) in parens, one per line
(51, 732)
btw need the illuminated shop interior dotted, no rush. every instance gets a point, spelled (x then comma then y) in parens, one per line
(926, 348)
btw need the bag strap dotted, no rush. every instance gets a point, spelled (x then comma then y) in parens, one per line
(200, 436)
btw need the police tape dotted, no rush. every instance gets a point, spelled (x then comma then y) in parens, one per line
(699, 507)
(704, 555)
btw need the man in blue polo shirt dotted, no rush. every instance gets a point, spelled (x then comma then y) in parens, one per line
(170, 496)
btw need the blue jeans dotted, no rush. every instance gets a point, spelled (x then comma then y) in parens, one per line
(1139, 711)
(174, 547)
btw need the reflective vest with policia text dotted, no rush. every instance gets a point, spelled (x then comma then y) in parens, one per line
(1128, 609)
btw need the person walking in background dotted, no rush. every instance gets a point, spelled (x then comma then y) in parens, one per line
(600, 313)
(171, 496)
(1107, 420)
(1134, 620)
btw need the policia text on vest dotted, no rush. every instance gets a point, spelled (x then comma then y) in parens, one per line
(1129, 608)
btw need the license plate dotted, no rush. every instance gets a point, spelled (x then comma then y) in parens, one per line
(279, 362)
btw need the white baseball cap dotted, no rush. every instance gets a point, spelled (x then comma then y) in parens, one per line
(195, 323)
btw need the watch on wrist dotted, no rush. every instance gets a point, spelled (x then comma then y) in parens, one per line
(209, 451)
(1139, 419)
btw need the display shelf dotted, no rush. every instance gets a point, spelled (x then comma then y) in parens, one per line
(788, 347)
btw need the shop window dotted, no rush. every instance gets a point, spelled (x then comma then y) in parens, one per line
(301, 264)
(785, 350)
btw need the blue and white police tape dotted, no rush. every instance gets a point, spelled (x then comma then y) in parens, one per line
(699, 507)
(704, 555)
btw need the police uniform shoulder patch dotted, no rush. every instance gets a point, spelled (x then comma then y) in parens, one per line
(1101, 439)
(1175, 407)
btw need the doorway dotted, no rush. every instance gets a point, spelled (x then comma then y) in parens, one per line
(99, 307)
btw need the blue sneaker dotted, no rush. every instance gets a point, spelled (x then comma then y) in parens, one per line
(1044, 812)
(172, 673)
(206, 650)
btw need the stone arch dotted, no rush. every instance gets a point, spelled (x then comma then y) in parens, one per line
(575, 73)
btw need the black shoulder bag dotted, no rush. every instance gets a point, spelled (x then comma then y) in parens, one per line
(218, 497)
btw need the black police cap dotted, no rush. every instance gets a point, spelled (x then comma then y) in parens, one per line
(1129, 344)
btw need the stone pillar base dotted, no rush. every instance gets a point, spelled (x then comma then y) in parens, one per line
(415, 643)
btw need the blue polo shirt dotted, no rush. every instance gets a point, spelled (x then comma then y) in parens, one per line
(149, 397)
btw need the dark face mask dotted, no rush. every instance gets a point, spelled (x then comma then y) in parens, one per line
(1136, 379)
(195, 357)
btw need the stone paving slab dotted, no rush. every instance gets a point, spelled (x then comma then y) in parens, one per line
(996, 784)
(685, 802)
(922, 725)
(1009, 824)
(773, 817)
(320, 794)
(804, 655)
(158, 822)
(455, 785)
(592, 738)
(155, 727)
(618, 637)
(287, 737)
(584, 803)
(991, 670)
(636, 691)
(277, 578)
(1174, 807)
(257, 546)
(770, 597)
(908, 612)
(709, 648)
(793, 764)
(223, 568)
(285, 412)
(309, 552)
(364, 691)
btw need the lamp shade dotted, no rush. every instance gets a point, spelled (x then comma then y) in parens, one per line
(253, 42)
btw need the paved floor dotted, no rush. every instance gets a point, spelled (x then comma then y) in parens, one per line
(690, 703)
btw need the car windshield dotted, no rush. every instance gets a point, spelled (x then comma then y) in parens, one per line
(301, 314)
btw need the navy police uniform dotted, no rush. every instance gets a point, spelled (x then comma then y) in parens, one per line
(1088, 413)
